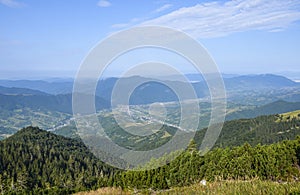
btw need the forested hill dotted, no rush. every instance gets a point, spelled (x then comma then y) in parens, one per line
(34, 159)
(260, 130)
(275, 162)
(279, 106)
(37, 161)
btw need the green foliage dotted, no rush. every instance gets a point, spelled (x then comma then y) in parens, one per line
(37, 161)
(260, 130)
(275, 162)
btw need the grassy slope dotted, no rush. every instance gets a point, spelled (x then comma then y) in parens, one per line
(289, 115)
(252, 187)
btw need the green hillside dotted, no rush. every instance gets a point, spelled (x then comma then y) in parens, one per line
(275, 162)
(260, 130)
(33, 160)
(268, 109)
(36, 161)
(263, 129)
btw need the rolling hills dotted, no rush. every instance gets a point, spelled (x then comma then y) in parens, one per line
(19, 91)
(47, 111)
(265, 129)
(276, 107)
(247, 89)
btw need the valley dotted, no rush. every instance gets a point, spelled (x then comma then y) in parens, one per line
(257, 120)
(23, 106)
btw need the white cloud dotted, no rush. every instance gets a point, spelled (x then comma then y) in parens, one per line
(135, 21)
(11, 3)
(163, 8)
(215, 19)
(130, 23)
(103, 3)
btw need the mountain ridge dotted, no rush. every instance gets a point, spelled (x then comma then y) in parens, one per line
(20, 91)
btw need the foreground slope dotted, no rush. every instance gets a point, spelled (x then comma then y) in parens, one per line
(33, 159)
(276, 162)
(252, 187)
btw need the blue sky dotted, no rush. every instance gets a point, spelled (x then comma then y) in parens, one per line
(51, 38)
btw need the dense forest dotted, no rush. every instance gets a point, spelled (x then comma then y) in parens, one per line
(36, 161)
(260, 130)
(269, 162)
(39, 162)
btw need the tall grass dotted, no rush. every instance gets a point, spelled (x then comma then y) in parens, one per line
(251, 187)
(106, 190)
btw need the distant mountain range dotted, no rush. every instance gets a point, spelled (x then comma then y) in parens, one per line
(60, 103)
(19, 91)
(53, 88)
(263, 81)
(48, 104)
(267, 86)
(61, 86)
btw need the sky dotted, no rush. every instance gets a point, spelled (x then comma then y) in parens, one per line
(52, 38)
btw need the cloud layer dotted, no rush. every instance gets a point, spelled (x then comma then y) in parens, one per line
(11, 3)
(103, 3)
(163, 8)
(215, 19)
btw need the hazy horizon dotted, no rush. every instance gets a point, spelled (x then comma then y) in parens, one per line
(295, 76)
